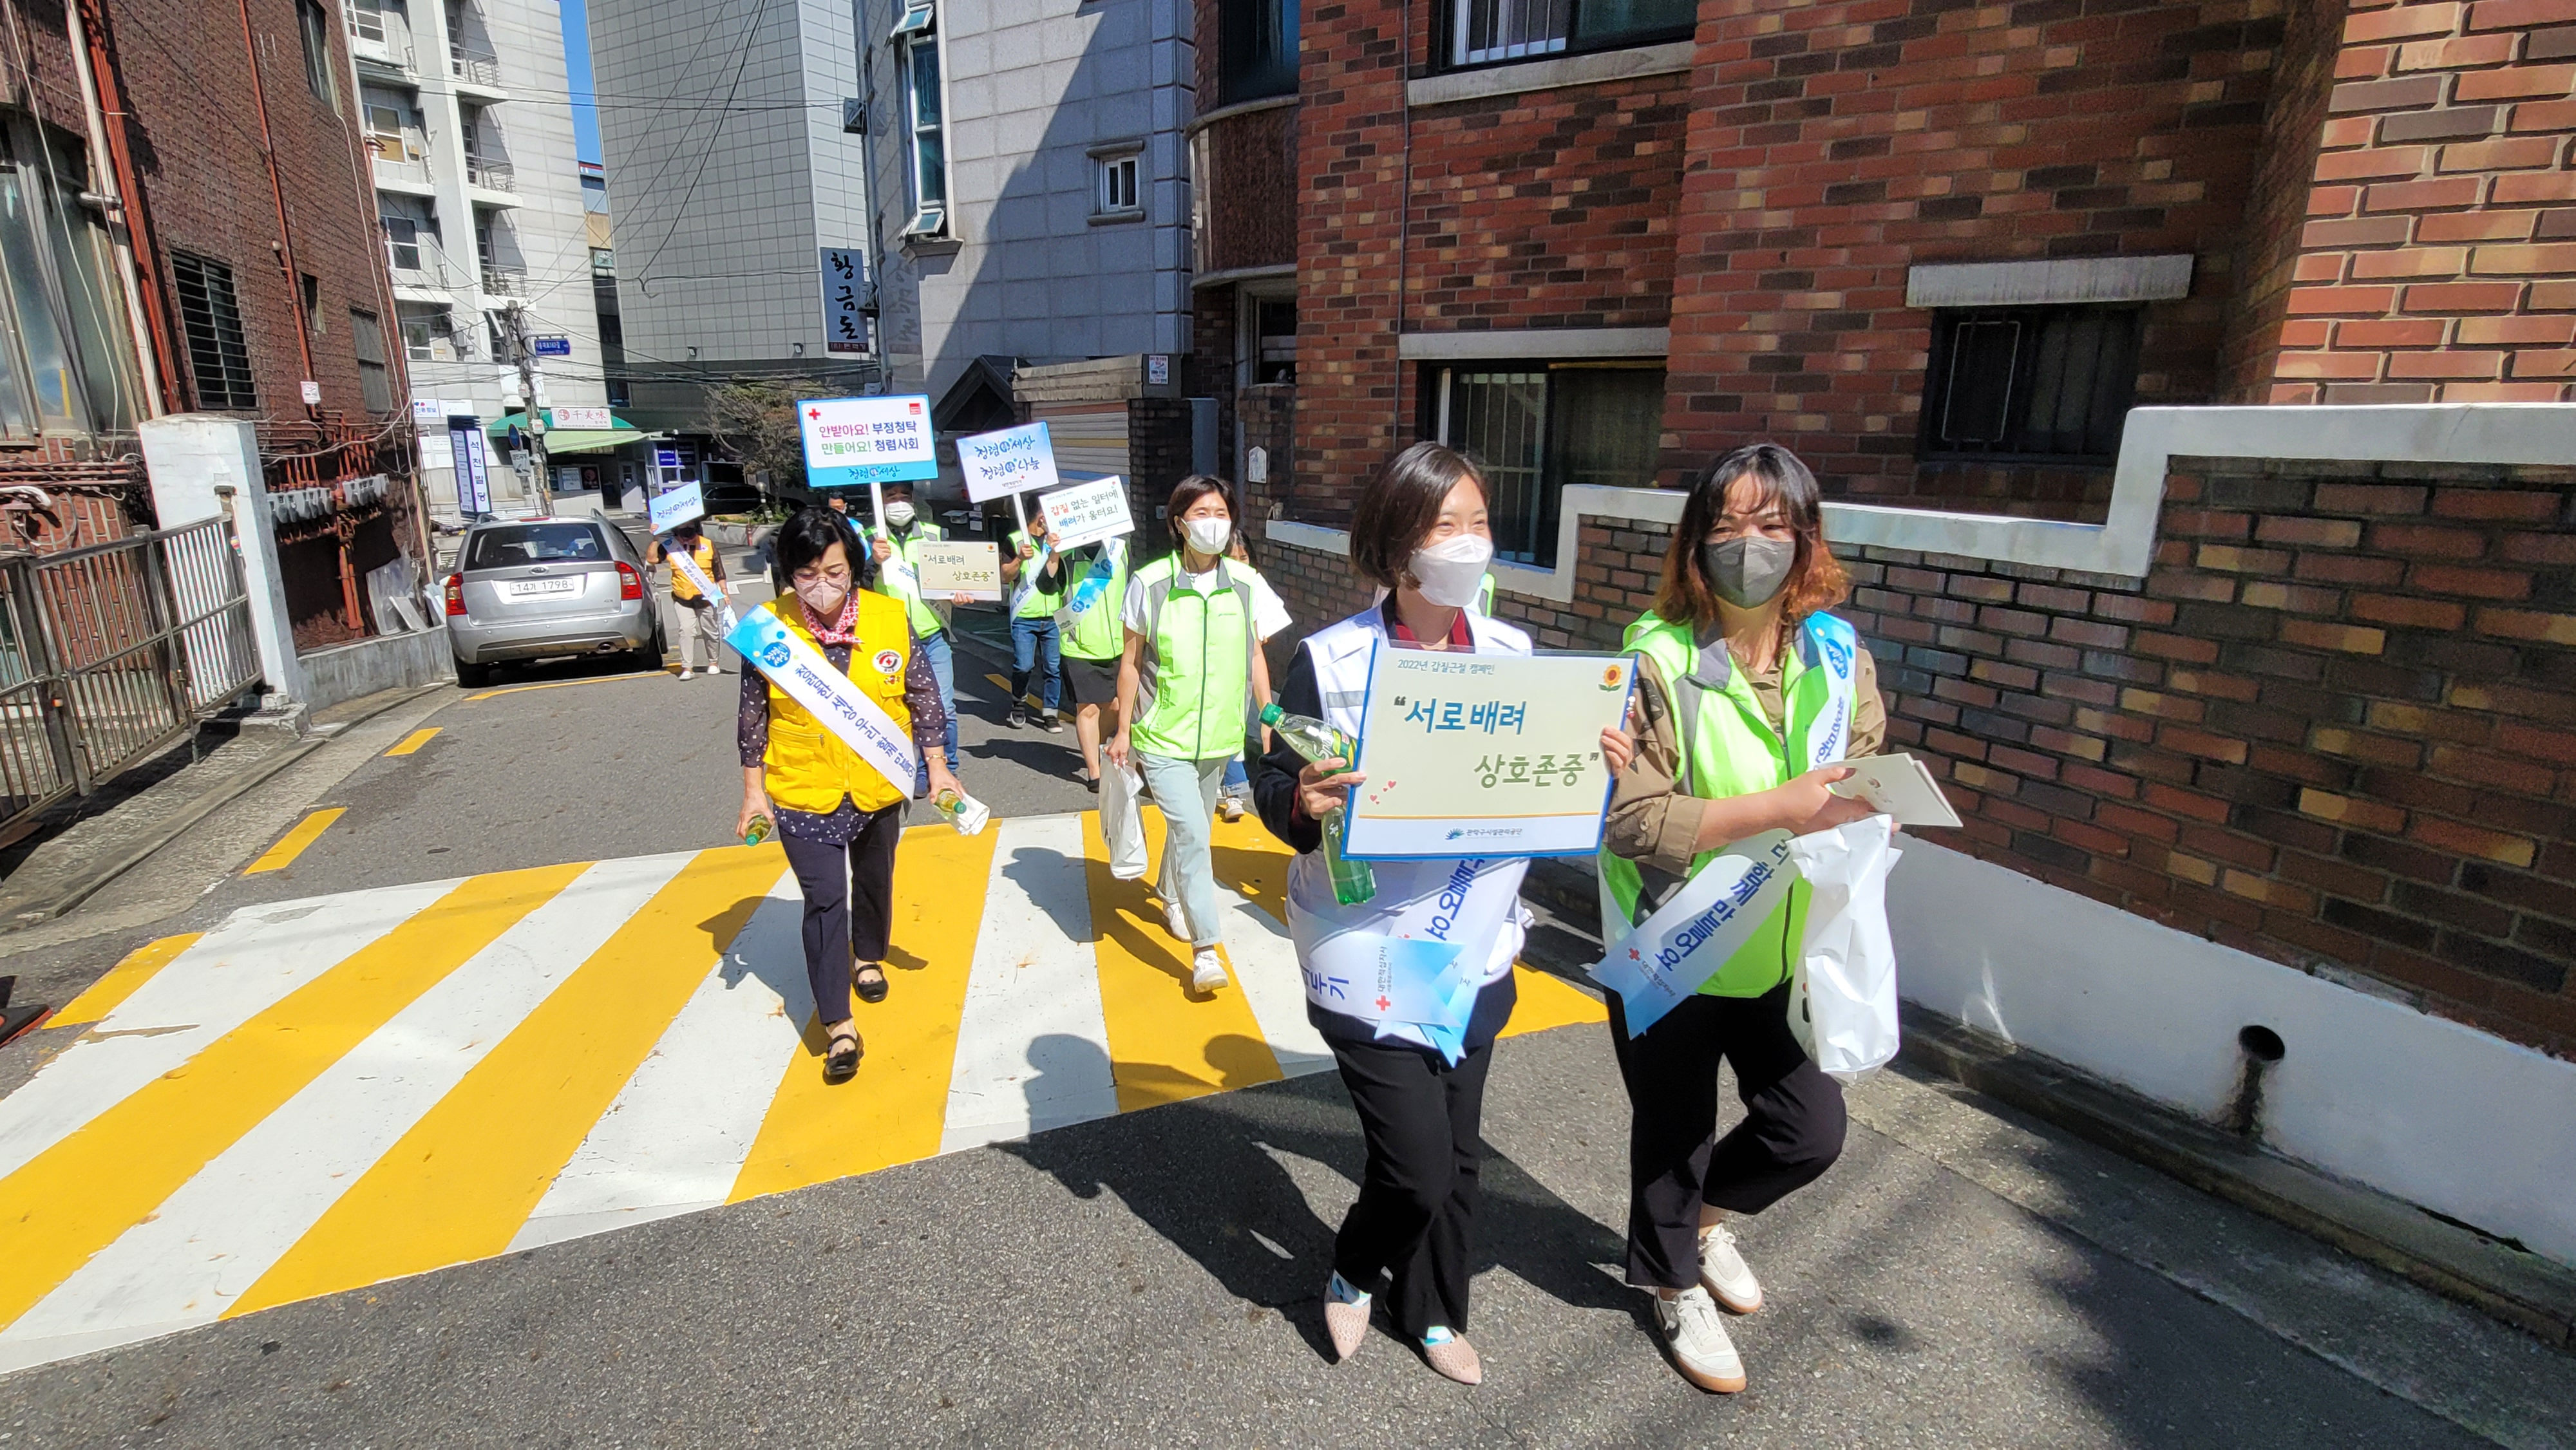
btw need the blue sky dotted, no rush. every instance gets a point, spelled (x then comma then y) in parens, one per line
(585, 115)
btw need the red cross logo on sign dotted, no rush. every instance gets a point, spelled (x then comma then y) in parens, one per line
(813, 412)
(1383, 1003)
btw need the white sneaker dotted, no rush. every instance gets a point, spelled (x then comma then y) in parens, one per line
(715, 669)
(1701, 1350)
(1174, 921)
(1229, 807)
(684, 672)
(1723, 1271)
(1206, 972)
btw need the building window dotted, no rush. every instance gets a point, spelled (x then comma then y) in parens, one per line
(1266, 341)
(422, 333)
(1256, 50)
(2030, 384)
(218, 356)
(309, 287)
(1535, 428)
(315, 23)
(1486, 32)
(375, 380)
(929, 169)
(603, 262)
(385, 134)
(367, 20)
(1116, 193)
(402, 243)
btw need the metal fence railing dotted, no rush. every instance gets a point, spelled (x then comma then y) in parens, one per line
(111, 653)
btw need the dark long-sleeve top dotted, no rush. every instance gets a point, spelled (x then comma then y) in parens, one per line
(751, 734)
(1274, 794)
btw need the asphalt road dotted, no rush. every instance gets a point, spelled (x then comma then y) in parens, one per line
(1961, 1278)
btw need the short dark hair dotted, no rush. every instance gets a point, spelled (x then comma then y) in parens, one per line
(1187, 493)
(1401, 506)
(1816, 581)
(810, 531)
(891, 484)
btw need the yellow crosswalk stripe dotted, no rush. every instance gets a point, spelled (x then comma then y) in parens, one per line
(123, 979)
(459, 1184)
(78, 1195)
(893, 1110)
(414, 741)
(1166, 1044)
(292, 844)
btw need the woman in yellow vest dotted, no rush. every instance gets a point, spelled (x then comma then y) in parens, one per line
(1748, 696)
(838, 818)
(694, 618)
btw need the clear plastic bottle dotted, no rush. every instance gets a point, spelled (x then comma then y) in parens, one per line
(1353, 881)
(759, 832)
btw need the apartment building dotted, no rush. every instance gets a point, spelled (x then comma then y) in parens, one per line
(467, 119)
(1009, 179)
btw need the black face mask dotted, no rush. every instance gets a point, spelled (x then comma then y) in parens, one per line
(1749, 572)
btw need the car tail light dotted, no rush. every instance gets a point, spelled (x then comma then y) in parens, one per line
(630, 581)
(456, 594)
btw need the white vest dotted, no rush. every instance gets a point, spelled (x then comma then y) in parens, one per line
(1475, 902)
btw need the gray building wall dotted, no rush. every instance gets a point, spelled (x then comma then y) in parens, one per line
(723, 204)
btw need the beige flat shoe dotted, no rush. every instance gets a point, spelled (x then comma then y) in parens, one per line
(1347, 1324)
(1456, 1359)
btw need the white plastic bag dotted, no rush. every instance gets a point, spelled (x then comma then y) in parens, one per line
(1121, 791)
(1842, 1004)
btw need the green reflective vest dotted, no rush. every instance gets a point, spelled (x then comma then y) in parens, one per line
(1729, 748)
(906, 584)
(1485, 596)
(1040, 601)
(1194, 675)
(1096, 633)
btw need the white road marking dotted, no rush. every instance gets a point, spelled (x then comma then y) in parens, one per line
(680, 1128)
(214, 1238)
(239, 970)
(1032, 1043)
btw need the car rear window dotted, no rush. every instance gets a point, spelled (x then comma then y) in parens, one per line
(513, 545)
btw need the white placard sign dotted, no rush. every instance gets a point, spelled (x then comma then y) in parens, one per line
(677, 506)
(1007, 461)
(590, 419)
(1087, 513)
(949, 568)
(853, 442)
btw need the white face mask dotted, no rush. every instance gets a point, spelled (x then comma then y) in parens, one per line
(1449, 571)
(1208, 536)
(898, 515)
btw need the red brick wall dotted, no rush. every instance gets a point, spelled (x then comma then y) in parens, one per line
(1252, 197)
(2439, 262)
(2302, 81)
(196, 139)
(1833, 145)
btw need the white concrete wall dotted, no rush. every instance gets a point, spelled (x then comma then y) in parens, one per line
(2442, 1115)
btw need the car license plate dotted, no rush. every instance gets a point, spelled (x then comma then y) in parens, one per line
(532, 588)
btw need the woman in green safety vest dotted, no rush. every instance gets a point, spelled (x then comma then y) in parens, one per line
(1188, 684)
(1094, 642)
(1033, 575)
(1748, 694)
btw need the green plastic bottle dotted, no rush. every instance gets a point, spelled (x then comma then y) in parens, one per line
(1353, 881)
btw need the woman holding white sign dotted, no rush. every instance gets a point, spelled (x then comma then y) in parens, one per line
(1188, 685)
(838, 815)
(1417, 1083)
(1748, 694)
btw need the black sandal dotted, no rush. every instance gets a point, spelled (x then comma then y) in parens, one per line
(869, 991)
(842, 1063)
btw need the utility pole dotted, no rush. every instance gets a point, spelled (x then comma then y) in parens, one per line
(532, 397)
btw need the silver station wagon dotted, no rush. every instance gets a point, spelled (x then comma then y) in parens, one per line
(530, 589)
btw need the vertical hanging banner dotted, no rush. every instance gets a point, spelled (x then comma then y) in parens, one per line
(854, 442)
(1007, 461)
(473, 473)
(845, 299)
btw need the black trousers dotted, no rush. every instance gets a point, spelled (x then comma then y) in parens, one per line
(1792, 1129)
(1416, 1214)
(849, 904)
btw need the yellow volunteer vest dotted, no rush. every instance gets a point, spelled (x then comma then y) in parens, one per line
(806, 767)
(705, 557)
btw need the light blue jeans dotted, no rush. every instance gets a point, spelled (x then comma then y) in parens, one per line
(1187, 790)
(943, 666)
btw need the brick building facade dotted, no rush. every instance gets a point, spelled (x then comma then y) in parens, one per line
(259, 259)
(2324, 720)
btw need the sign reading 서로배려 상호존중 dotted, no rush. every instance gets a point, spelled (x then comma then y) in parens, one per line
(949, 568)
(853, 442)
(1088, 513)
(1007, 461)
(1485, 754)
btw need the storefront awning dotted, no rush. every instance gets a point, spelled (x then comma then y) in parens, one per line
(570, 440)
